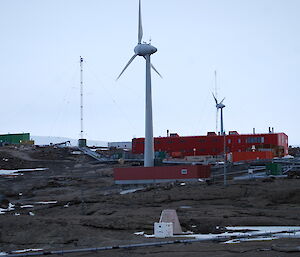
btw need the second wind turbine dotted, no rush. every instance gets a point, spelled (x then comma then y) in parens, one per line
(220, 105)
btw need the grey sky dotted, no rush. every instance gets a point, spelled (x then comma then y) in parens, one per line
(253, 44)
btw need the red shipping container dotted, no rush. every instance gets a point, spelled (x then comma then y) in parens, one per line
(249, 156)
(159, 174)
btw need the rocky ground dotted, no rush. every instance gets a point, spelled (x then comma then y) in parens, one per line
(86, 209)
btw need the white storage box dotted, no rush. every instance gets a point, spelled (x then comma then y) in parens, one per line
(163, 229)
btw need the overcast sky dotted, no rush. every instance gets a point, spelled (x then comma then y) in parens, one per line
(253, 44)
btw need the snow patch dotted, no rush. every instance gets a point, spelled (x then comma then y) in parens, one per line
(252, 234)
(27, 250)
(9, 208)
(17, 172)
(128, 191)
(141, 233)
(27, 206)
(46, 202)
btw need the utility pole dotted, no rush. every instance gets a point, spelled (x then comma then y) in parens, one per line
(81, 97)
(225, 160)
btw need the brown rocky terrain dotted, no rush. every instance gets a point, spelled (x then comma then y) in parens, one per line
(87, 209)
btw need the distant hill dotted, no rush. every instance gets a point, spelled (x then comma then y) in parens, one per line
(45, 140)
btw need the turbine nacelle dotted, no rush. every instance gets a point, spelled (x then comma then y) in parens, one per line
(144, 49)
(220, 106)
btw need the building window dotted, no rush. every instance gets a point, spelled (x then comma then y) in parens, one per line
(229, 141)
(253, 140)
(239, 140)
(184, 171)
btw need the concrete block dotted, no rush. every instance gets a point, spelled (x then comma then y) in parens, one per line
(163, 229)
(171, 216)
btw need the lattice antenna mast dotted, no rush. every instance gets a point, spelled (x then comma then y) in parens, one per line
(81, 97)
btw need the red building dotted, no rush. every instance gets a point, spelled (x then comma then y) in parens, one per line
(160, 174)
(213, 144)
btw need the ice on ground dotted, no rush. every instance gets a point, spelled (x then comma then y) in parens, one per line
(139, 233)
(18, 171)
(9, 208)
(76, 152)
(280, 232)
(185, 207)
(67, 205)
(128, 191)
(27, 250)
(27, 206)
(266, 229)
(252, 234)
(46, 202)
(10, 173)
(237, 241)
(35, 169)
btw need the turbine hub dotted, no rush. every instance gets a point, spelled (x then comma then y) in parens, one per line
(144, 49)
(220, 106)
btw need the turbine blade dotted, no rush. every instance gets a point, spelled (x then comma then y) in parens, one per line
(152, 66)
(140, 28)
(156, 70)
(130, 61)
(222, 100)
(215, 98)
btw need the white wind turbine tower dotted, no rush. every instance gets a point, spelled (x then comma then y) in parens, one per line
(145, 50)
(220, 105)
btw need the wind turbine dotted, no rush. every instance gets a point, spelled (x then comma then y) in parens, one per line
(145, 50)
(220, 105)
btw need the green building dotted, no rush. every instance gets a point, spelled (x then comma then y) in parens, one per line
(14, 138)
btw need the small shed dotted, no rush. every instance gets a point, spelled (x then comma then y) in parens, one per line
(14, 138)
(160, 174)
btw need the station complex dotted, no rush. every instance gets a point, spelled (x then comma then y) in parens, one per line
(237, 146)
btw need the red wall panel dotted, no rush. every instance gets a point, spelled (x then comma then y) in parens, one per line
(162, 172)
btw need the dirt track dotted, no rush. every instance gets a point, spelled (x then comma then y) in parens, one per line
(91, 212)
